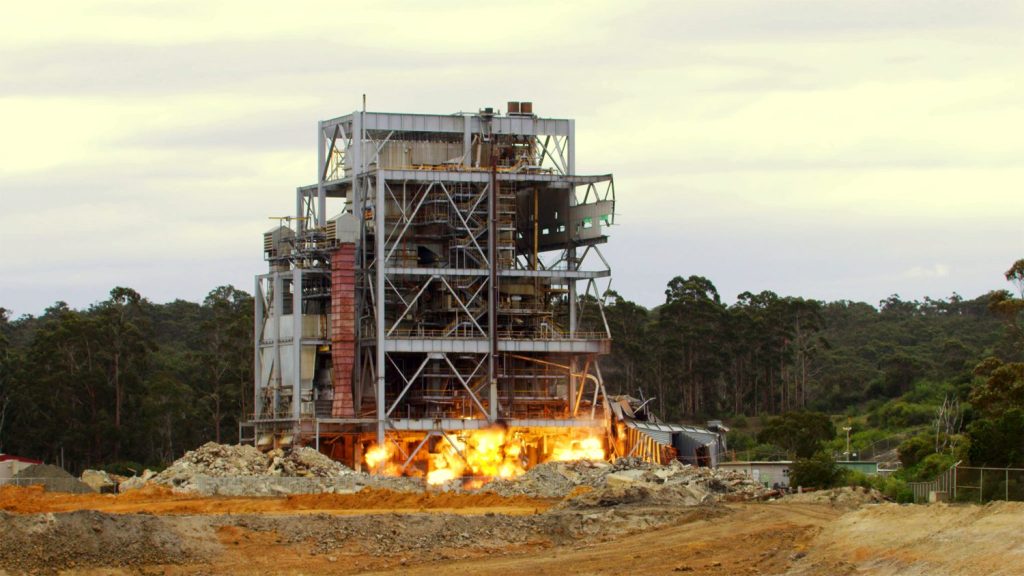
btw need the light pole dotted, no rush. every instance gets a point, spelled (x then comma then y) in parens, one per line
(847, 430)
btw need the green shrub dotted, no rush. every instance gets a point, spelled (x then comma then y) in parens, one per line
(800, 433)
(818, 471)
(767, 452)
(855, 478)
(894, 488)
(930, 467)
(915, 449)
(899, 414)
(740, 441)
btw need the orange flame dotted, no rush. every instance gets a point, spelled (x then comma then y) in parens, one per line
(488, 453)
(588, 448)
(379, 459)
(491, 453)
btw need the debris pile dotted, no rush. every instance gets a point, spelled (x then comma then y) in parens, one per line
(136, 482)
(99, 480)
(305, 461)
(51, 478)
(217, 460)
(229, 470)
(230, 461)
(847, 497)
(628, 481)
(199, 469)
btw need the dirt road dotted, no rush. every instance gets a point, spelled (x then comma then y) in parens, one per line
(380, 532)
(746, 539)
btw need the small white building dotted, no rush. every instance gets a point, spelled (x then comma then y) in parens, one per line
(768, 473)
(11, 465)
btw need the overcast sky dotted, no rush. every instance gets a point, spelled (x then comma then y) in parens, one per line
(834, 150)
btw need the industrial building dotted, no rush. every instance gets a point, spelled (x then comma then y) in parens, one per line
(442, 275)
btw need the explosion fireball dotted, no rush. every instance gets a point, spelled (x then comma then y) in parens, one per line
(489, 453)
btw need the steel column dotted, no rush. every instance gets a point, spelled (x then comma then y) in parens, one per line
(378, 240)
(278, 309)
(257, 360)
(297, 343)
(492, 289)
(321, 194)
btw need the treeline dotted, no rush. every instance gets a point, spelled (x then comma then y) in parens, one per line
(130, 381)
(125, 382)
(767, 354)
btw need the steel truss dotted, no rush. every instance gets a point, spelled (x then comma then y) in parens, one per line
(473, 236)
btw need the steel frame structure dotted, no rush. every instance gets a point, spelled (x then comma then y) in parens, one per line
(479, 280)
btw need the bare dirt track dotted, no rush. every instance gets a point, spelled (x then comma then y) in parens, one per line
(376, 532)
(155, 499)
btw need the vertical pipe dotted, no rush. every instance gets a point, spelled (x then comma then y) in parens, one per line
(321, 193)
(492, 289)
(358, 202)
(378, 241)
(571, 145)
(297, 344)
(536, 227)
(299, 211)
(571, 395)
(257, 336)
(467, 142)
(276, 311)
(356, 151)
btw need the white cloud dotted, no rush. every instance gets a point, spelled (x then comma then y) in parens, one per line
(821, 149)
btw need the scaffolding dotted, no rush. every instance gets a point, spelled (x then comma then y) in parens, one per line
(459, 285)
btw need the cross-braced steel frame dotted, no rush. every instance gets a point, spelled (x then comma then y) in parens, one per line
(479, 276)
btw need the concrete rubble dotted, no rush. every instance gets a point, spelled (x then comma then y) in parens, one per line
(629, 481)
(136, 482)
(846, 497)
(227, 470)
(233, 470)
(199, 469)
(99, 480)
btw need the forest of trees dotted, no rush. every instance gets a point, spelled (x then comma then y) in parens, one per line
(128, 382)
(767, 354)
(125, 382)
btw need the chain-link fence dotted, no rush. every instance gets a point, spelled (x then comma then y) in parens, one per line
(49, 484)
(972, 484)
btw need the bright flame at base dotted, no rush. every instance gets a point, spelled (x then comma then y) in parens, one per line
(379, 459)
(476, 455)
(589, 448)
(492, 453)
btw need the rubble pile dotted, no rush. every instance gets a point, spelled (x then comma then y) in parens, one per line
(136, 482)
(200, 468)
(847, 497)
(99, 480)
(305, 461)
(628, 481)
(228, 461)
(217, 460)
